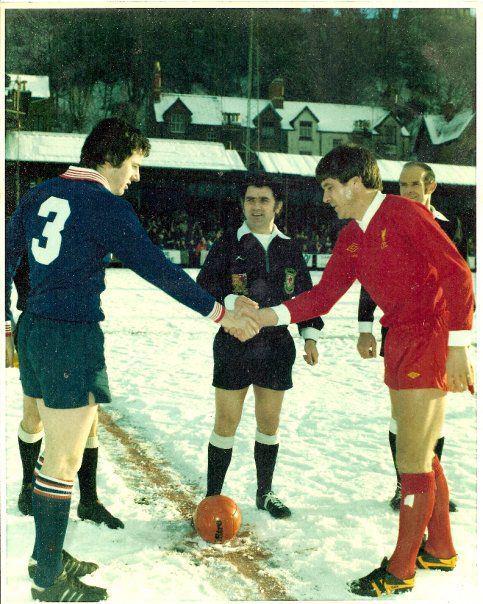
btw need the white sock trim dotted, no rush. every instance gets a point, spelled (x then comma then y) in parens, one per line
(222, 442)
(29, 438)
(267, 439)
(393, 426)
(92, 442)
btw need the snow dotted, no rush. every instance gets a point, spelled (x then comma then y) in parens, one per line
(208, 110)
(305, 165)
(334, 469)
(62, 147)
(440, 131)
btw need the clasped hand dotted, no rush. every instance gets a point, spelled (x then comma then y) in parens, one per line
(242, 323)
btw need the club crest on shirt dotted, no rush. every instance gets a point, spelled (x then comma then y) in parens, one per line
(289, 285)
(239, 284)
(384, 243)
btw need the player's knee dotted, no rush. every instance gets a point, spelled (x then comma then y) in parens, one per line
(31, 421)
(226, 423)
(268, 426)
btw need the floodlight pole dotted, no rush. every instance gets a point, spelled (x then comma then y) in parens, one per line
(249, 92)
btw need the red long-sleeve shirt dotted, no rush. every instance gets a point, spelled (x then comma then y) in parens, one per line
(409, 266)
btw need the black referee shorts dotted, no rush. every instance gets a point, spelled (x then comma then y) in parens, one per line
(265, 361)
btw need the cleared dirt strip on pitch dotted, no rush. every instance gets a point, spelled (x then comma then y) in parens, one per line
(246, 560)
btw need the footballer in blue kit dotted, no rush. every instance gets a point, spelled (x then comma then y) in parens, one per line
(67, 225)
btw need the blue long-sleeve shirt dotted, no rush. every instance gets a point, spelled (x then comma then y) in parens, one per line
(67, 225)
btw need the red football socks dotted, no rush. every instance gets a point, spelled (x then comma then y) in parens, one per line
(417, 503)
(440, 543)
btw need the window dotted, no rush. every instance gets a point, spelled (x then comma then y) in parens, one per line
(306, 130)
(178, 123)
(336, 142)
(389, 135)
(268, 131)
(211, 135)
(231, 118)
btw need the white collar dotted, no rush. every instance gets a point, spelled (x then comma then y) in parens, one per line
(437, 214)
(80, 173)
(245, 230)
(371, 210)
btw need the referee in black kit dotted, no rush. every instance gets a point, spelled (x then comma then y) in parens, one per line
(417, 182)
(255, 265)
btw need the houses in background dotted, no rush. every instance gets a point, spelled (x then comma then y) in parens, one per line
(275, 124)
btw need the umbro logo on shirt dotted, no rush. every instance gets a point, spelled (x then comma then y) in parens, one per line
(413, 375)
(353, 248)
(239, 258)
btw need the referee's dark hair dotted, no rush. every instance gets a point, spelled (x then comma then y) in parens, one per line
(346, 161)
(113, 140)
(259, 180)
(428, 176)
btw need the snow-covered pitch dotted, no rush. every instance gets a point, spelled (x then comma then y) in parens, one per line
(334, 469)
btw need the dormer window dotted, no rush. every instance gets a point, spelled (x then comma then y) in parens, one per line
(306, 130)
(177, 123)
(230, 118)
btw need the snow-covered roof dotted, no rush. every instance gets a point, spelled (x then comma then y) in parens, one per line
(440, 131)
(37, 85)
(59, 147)
(208, 110)
(304, 165)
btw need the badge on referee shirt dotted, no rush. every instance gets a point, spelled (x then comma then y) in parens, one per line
(239, 283)
(289, 285)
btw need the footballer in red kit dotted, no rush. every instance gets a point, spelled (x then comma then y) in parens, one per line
(414, 273)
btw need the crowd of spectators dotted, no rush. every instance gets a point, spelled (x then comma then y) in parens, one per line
(179, 232)
(182, 232)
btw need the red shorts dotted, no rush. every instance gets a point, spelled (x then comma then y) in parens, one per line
(415, 356)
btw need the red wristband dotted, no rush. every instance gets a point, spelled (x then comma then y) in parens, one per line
(8, 329)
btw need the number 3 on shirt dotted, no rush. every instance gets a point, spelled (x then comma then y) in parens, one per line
(61, 209)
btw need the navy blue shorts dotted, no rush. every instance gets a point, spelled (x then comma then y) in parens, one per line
(61, 362)
(265, 361)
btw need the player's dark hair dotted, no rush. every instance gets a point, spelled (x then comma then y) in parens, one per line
(260, 180)
(112, 140)
(428, 176)
(346, 161)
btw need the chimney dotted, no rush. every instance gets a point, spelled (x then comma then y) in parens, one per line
(276, 92)
(157, 82)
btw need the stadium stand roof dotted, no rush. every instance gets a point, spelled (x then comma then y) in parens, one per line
(208, 110)
(58, 147)
(304, 165)
(37, 85)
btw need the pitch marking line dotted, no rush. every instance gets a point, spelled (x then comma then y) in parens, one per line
(246, 560)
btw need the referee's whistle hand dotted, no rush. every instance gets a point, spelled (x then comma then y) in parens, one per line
(459, 370)
(367, 346)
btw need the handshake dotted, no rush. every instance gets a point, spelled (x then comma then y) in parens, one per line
(246, 320)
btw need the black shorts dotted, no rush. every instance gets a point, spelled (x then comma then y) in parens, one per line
(61, 362)
(265, 361)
